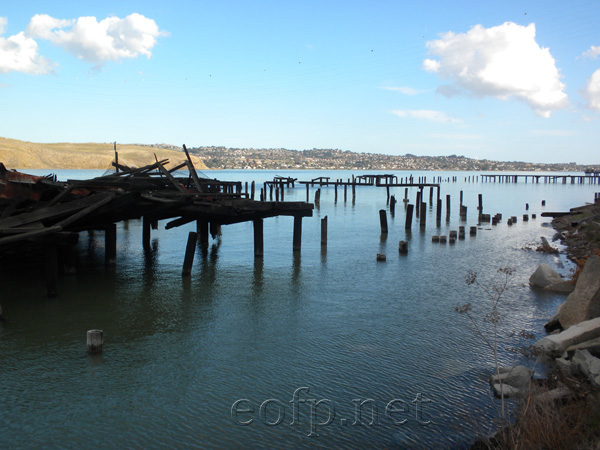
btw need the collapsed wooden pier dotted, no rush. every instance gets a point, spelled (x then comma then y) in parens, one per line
(46, 214)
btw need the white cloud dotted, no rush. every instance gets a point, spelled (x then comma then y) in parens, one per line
(402, 89)
(503, 61)
(426, 114)
(591, 92)
(111, 39)
(19, 53)
(592, 52)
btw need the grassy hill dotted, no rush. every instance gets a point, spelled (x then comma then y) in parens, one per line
(28, 155)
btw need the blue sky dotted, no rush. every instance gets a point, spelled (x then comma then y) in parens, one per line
(497, 80)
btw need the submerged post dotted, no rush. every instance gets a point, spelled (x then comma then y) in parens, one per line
(423, 214)
(146, 226)
(324, 231)
(95, 341)
(202, 230)
(383, 221)
(409, 214)
(110, 244)
(258, 238)
(297, 239)
(190, 250)
(52, 269)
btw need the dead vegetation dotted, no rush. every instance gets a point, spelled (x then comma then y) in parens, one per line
(29, 155)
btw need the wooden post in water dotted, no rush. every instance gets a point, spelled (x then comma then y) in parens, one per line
(392, 205)
(336, 194)
(318, 197)
(324, 231)
(409, 214)
(146, 226)
(297, 239)
(190, 251)
(258, 238)
(431, 195)
(276, 193)
(461, 198)
(95, 341)
(51, 251)
(480, 208)
(110, 245)
(423, 214)
(307, 193)
(418, 204)
(271, 191)
(252, 187)
(345, 192)
(447, 206)
(438, 212)
(383, 221)
(387, 189)
(202, 231)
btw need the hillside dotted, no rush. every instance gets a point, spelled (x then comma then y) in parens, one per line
(28, 155)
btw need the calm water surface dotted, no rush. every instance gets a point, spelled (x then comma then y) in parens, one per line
(323, 349)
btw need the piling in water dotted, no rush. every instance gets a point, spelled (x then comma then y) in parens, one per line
(383, 221)
(95, 341)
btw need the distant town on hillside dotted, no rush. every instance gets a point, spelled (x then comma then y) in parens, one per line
(216, 157)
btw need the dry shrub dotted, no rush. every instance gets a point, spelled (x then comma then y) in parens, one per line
(581, 263)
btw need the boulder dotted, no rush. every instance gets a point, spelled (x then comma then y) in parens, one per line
(584, 302)
(588, 365)
(555, 345)
(592, 346)
(554, 395)
(561, 287)
(507, 390)
(544, 276)
(515, 381)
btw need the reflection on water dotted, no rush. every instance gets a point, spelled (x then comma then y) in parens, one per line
(180, 351)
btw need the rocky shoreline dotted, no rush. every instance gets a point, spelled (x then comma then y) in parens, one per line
(579, 231)
(563, 409)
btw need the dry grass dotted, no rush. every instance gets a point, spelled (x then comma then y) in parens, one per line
(28, 155)
(553, 425)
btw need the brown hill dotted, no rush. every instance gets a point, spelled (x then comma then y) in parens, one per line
(29, 155)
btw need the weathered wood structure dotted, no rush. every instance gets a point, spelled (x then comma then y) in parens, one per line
(43, 212)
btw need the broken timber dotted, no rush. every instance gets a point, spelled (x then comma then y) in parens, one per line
(42, 211)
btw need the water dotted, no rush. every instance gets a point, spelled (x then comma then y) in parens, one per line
(326, 349)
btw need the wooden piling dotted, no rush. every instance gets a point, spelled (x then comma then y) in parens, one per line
(438, 212)
(345, 193)
(307, 193)
(336, 193)
(324, 231)
(297, 239)
(473, 231)
(383, 221)
(146, 232)
(110, 245)
(447, 205)
(258, 238)
(392, 205)
(480, 208)
(409, 215)
(202, 231)
(252, 187)
(95, 341)
(422, 219)
(418, 204)
(51, 252)
(431, 195)
(190, 251)
(403, 247)
(318, 196)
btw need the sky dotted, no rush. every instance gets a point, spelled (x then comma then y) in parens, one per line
(509, 81)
